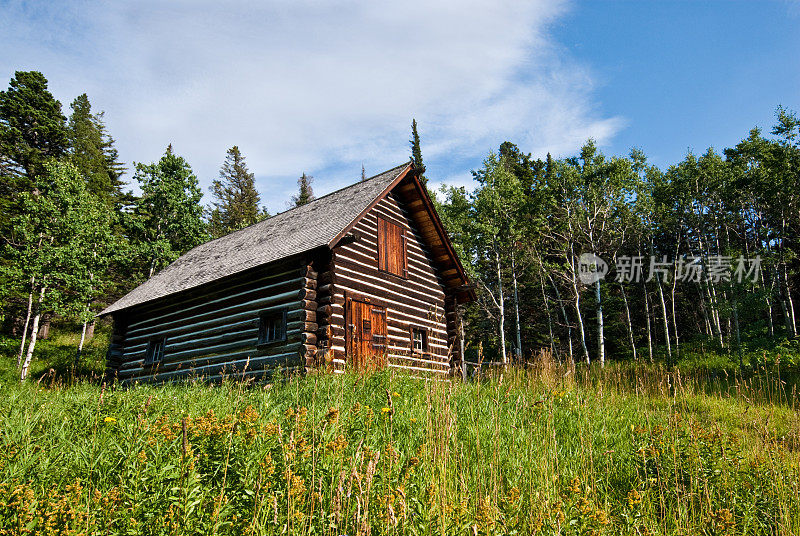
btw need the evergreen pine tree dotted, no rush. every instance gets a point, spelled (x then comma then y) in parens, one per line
(305, 194)
(92, 151)
(416, 151)
(236, 198)
(32, 127)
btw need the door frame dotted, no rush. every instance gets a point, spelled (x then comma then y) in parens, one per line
(350, 297)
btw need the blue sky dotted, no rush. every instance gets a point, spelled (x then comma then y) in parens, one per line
(687, 75)
(316, 87)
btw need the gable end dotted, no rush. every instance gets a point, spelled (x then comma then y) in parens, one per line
(408, 188)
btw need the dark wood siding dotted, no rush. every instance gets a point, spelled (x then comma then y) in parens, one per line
(213, 331)
(414, 300)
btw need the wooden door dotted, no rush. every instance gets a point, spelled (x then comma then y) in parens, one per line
(366, 329)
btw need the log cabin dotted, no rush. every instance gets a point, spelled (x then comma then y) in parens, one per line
(362, 278)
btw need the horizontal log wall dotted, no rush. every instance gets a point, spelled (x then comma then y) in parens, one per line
(415, 301)
(212, 331)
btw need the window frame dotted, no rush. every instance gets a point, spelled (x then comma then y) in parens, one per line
(263, 318)
(154, 351)
(426, 340)
(383, 249)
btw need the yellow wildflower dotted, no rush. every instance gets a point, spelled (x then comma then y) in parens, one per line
(513, 495)
(337, 444)
(298, 486)
(602, 518)
(634, 498)
(110, 420)
(332, 416)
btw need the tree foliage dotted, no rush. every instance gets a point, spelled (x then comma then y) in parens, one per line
(305, 192)
(92, 151)
(32, 126)
(525, 227)
(62, 240)
(416, 150)
(236, 200)
(167, 220)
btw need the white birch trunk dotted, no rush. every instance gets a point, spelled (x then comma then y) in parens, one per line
(789, 303)
(581, 332)
(768, 301)
(577, 294)
(736, 327)
(80, 346)
(630, 324)
(672, 299)
(502, 310)
(667, 336)
(516, 306)
(580, 325)
(768, 292)
(28, 315)
(786, 319)
(704, 309)
(717, 325)
(601, 341)
(34, 333)
(674, 318)
(27, 324)
(647, 319)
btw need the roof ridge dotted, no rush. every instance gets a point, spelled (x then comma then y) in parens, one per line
(343, 188)
(298, 207)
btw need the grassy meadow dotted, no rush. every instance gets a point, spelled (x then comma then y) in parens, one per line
(545, 449)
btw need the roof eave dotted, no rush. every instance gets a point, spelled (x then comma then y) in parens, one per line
(467, 288)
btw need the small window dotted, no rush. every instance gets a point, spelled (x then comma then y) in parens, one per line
(272, 327)
(155, 351)
(419, 340)
(392, 256)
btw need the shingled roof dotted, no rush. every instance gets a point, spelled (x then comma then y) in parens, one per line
(318, 223)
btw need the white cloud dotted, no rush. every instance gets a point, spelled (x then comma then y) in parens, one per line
(313, 86)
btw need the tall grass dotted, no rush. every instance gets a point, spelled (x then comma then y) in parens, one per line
(547, 449)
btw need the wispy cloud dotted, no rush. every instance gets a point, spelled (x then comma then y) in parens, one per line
(313, 86)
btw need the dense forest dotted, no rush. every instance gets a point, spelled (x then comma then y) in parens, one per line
(704, 251)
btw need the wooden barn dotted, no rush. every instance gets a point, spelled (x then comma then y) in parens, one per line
(361, 278)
